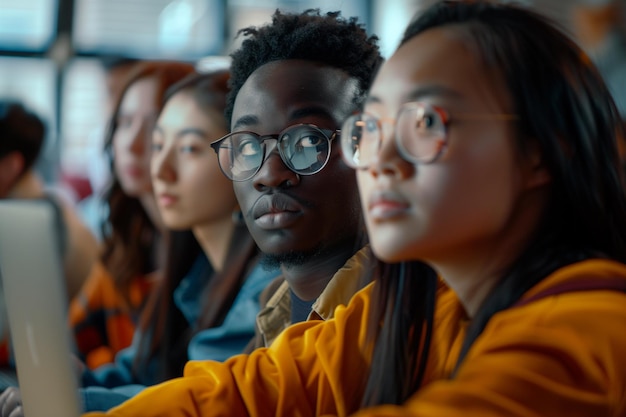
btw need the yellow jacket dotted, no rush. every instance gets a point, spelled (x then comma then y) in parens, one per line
(562, 355)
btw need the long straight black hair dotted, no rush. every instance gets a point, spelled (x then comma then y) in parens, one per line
(567, 112)
(131, 240)
(165, 332)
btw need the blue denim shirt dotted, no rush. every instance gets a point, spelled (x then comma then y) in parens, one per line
(112, 384)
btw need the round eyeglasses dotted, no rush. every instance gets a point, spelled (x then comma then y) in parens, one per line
(420, 134)
(304, 148)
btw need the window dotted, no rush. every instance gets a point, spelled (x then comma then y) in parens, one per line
(244, 13)
(83, 119)
(168, 29)
(27, 25)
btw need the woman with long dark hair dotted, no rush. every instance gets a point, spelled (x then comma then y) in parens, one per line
(104, 314)
(205, 305)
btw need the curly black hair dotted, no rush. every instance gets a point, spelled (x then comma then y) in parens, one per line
(328, 39)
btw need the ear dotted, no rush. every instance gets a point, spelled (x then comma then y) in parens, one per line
(11, 166)
(535, 171)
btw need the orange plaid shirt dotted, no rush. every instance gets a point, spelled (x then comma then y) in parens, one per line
(102, 320)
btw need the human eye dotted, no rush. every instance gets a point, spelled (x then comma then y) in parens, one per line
(310, 140)
(191, 144)
(365, 128)
(246, 152)
(302, 138)
(428, 121)
(247, 146)
(190, 149)
(370, 124)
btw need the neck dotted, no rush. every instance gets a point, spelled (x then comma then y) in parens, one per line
(308, 279)
(28, 186)
(474, 270)
(471, 277)
(214, 238)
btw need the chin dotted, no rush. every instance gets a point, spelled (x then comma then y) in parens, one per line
(133, 189)
(388, 253)
(175, 227)
(275, 242)
(277, 251)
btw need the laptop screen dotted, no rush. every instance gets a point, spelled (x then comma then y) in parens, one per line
(36, 305)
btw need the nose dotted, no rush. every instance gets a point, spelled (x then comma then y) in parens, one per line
(388, 160)
(140, 140)
(273, 172)
(163, 166)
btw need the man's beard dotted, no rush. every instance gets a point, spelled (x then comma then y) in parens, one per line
(292, 258)
(298, 258)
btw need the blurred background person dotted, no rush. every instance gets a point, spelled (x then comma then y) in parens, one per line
(104, 314)
(600, 28)
(22, 135)
(205, 305)
(92, 208)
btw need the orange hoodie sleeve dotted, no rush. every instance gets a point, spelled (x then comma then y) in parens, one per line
(560, 355)
(298, 363)
(563, 355)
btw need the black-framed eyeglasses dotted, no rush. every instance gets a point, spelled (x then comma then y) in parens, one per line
(420, 133)
(304, 148)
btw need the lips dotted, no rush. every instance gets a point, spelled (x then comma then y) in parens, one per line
(166, 200)
(276, 211)
(386, 205)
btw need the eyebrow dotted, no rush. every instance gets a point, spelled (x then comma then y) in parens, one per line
(251, 120)
(422, 92)
(192, 131)
(185, 131)
(310, 111)
(247, 120)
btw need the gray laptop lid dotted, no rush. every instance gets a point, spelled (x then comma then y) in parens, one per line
(36, 303)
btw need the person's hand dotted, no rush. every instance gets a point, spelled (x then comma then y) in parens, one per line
(11, 403)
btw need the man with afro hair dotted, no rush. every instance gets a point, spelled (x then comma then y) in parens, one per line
(324, 65)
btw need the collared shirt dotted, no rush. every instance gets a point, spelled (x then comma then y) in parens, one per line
(276, 315)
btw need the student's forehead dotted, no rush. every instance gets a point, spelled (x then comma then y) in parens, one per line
(180, 108)
(140, 94)
(286, 86)
(435, 61)
(431, 55)
(297, 79)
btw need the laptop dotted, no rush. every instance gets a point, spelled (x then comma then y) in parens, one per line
(36, 305)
